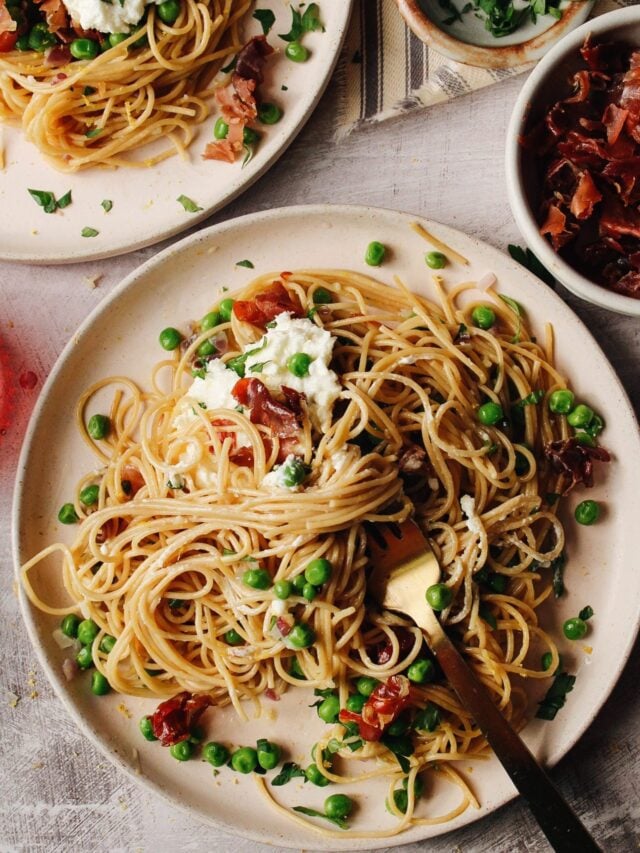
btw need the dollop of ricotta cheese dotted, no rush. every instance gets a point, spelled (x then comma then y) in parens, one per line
(106, 17)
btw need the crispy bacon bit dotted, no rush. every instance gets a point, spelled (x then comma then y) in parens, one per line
(55, 57)
(588, 148)
(173, 720)
(270, 693)
(284, 626)
(251, 59)
(56, 16)
(132, 476)
(381, 653)
(265, 306)
(280, 419)
(413, 459)
(385, 704)
(575, 461)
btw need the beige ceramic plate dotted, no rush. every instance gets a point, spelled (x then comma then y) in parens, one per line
(145, 207)
(121, 337)
(468, 41)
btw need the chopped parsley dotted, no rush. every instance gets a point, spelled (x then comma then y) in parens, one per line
(531, 399)
(189, 205)
(339, 821)
(517, 310)
(266, 19)
(303, 22)
(245, 263)
(47, 200)
(94, 131)
(290, 770)
(528, 260)
(501, 17)
(106, 204)
(556, 696)
(87, 231)
(586, 613)
(64, 201)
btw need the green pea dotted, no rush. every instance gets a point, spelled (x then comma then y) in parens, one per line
(23, 43)
(293, 473)
(206, 348)
(146, 728)
(575, 629)
(490, 413)
(115, 39)
(215, 753)
(282, 589)
(329, 709)
(220, 129)
(401, 800)
(249, 136)
(375, 253)
(67, 514)
(99, 684)
(355, 703)
(84, 48)
(296, 52)
(318, 571)
(439, 596)
(546, 660)
(257, 578)
(587, 512)
(107, 643)
(301, 636)
(69, 625)
(99, 426)
(596, 426)
(84, 658)
(181, 751)
(338, 806)
(299, 583)
(418, 786)
(170, 338)
(309, 591)
(210, 321)
(168, 11)
(562, 401)
(226, 309)
(580, 417)
(321, 296)
(421, 670)
(585, 439)
(89, 495)
(40, 37)
(87, 631)
(232, 638)
(296, 670)
(483, 317)
(435, 260)
(498, 583)
(427, 719)
(269, 113)
(298, 364)
(268, 754)
(245, 759)
(314, 776)
(365, 685)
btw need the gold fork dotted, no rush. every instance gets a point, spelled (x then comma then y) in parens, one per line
(404, 568)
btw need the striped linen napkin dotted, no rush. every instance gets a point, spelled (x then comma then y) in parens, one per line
(387, 71)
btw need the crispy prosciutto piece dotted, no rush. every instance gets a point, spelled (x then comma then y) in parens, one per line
(57, 56)
(575, 461)
(265, 306)
(385, 704)
(265, 410)
(7, 24)
(585, 198)
(174, 719)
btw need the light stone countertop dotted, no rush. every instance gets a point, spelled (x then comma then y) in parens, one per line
(57, 791)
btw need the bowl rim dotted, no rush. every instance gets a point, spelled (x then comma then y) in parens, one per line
(525, 220)
(506, 56)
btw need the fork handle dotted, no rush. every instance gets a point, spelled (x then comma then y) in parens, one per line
(563, 829)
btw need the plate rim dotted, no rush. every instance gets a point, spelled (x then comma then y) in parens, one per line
(61, 258)
(28, 612)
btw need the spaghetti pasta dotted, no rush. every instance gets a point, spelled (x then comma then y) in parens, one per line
(197, 555)
(153, 85)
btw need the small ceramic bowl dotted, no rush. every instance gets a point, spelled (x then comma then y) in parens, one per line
(467, 40)
(543, 88)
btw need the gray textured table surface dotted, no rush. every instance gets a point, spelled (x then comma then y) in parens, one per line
(57, 792)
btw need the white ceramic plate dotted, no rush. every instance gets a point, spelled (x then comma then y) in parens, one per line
(121, 336)
(145, 207)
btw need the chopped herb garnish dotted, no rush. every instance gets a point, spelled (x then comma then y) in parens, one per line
(528, 260)
(517, 310)
(47, 200)
(200, 373)
(88, 90)
(557, 568)
(245, 263)
(531, 399)
(94, 131)
(487, 616)
(462, 335)
(87, 231)
(586, 613)
(266, 18)
(427, 718)
(556, 696)
(301, 23)
(258, 367)
(64, 201)
(106, 204)
(339, 821)
(400, 747)
(248, 154)
(189, 205)
(290, 770)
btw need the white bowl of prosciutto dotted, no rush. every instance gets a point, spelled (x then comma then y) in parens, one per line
(573, 161)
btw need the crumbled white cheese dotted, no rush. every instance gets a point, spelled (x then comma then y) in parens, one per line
(275, 478)
(468, 506)
(288, 337)
(278, 607)
(340, 459)
(214, 389)
(104, 16)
